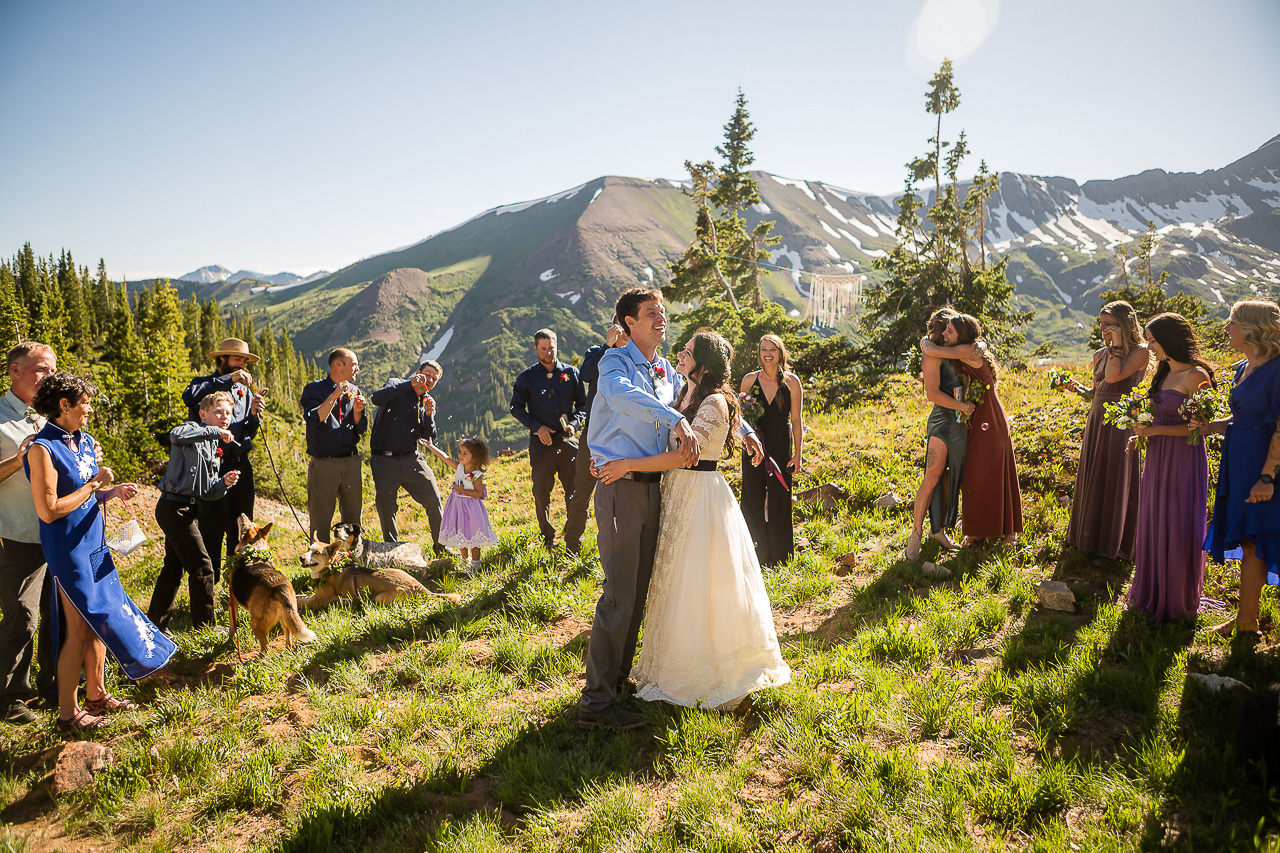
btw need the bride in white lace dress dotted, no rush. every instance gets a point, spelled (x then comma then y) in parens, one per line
(708, 636)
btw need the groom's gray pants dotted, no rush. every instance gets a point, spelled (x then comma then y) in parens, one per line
(627, 514)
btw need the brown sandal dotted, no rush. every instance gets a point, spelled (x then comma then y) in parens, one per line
(82, 722)
(108, 703)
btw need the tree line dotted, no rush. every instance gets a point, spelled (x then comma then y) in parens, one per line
(141, 344)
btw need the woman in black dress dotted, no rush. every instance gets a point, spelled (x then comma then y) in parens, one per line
(766, 490)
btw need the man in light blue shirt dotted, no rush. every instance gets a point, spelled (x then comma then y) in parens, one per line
(631, 417)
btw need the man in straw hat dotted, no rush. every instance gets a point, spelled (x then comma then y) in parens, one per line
(217, 519)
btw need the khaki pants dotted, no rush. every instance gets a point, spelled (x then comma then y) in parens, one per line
(333, 482)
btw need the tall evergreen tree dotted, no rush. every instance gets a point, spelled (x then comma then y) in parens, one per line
(723, 262)
(931, 266)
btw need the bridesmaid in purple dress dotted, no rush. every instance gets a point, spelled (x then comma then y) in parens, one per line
(1104, 505)
(1172, 511)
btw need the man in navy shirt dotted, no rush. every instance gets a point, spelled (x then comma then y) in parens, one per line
(217, 519)
(406, 414)
(550, 400)
(333, 410)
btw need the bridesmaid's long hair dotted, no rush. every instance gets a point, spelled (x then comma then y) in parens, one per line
(712, 355)
(1130, 332)
(938, 321)
(1260, 322)
(1177, 338)
(968, 331)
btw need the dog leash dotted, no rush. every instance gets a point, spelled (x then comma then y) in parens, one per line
(279, 480)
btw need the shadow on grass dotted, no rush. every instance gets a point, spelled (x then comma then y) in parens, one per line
(543, 767)
(1214, 785)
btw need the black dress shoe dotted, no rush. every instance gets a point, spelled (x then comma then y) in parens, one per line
(442, 551)
(19, 714)
(611, 717)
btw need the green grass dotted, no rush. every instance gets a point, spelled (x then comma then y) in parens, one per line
(923, 714)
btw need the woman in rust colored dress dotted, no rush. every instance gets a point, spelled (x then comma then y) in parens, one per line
(1104, 504)
(992, 503)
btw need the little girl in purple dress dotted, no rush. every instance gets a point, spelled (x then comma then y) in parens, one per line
(465, 522)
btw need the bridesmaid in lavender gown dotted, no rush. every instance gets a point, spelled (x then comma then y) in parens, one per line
(1104, 505)
(1172, 511)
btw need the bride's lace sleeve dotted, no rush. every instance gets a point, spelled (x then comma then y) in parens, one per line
(712, 414)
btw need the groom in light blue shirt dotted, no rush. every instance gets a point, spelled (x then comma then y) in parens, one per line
(631, 417)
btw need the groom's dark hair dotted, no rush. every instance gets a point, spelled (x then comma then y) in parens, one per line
(630, 301)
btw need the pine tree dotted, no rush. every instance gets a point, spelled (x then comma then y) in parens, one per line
(723, 262)
(1148, 293)
(13, 320)
(166, 365)
(931, 267)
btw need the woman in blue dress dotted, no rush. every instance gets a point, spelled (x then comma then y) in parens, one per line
(90, 613)
(1246, 515)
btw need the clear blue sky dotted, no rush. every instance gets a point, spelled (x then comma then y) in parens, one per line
(163, 136)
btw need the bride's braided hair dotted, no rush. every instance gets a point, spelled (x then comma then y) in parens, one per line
(712, 355)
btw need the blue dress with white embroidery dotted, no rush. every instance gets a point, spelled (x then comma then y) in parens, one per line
(1255, 408)
(75, 547)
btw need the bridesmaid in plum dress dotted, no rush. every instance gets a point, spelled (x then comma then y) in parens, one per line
(1172, 511)
(1104, 504)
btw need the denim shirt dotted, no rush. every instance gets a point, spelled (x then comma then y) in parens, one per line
(632, 415)
(194, 463)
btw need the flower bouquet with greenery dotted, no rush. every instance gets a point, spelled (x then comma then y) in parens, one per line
(751, 406)
(1134, 410)
(975, 392)
(1058, 379)
(1204, 405)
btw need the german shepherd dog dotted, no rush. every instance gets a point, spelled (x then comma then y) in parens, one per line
(376, 555)
(387, 585)
(261, 589)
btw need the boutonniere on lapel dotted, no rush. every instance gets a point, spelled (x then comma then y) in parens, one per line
(217, 451)
(564, 377)
(240, 393)
(659, 371)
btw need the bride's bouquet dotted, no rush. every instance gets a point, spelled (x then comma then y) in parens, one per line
(1058, 379)
(1137, 409)
(1204, 405)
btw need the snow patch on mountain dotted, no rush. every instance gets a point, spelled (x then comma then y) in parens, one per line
(438, 349)
(800, 185)
(212, 274)
(797, 265)
(525, 205)
(761, 208)
(547, 275)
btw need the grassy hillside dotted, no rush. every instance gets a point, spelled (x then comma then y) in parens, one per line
(923, 714)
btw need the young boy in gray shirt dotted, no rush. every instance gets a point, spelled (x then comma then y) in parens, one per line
(193, 475)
